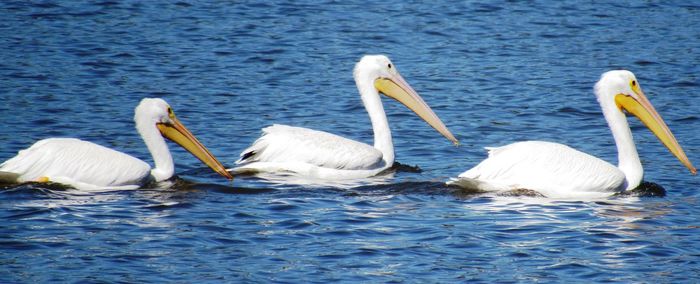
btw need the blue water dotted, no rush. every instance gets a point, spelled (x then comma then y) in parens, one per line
(495, 72)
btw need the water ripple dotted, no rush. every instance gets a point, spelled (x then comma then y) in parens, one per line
(494, 72)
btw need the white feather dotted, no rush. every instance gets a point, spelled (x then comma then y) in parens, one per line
(78, 163)
(552, 169)
(282, 144)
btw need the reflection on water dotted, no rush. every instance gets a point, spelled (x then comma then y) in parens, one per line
(614, 233)
(629, 218)
(278, 180)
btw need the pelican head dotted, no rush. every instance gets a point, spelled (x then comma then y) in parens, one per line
(387, 80)
(622, 88)
(160, 114)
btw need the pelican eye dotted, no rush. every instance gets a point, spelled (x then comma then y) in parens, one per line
(634, 83)
(389, 65)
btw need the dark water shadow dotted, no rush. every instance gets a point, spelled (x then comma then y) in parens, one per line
(178, 186)
(645, 189)
(33, 188)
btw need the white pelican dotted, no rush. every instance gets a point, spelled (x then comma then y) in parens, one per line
(321, 155)
(86, 165)
(559, 171)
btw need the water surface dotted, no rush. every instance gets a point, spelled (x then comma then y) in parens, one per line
(495, 72)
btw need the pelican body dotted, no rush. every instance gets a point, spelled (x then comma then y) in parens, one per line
(86, 165)
(321, 155)
(560, 171)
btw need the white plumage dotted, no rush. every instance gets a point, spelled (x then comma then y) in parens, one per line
(86, 165)
(324, 150)
(310, 153)
(543, 166)
(560, 171)
(76, 162)
(321, 155)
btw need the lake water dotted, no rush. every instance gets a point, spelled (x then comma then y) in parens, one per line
(495, 72)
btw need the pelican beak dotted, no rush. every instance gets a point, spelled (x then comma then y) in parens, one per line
(397, 88)
(640, 107)
(179, 134)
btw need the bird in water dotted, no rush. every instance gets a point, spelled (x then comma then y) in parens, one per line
(559, 171)
(305, 152)
(86, 165)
